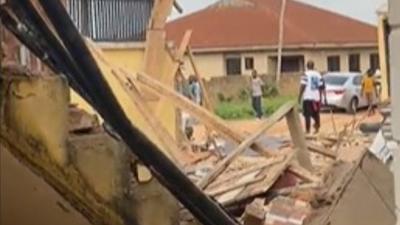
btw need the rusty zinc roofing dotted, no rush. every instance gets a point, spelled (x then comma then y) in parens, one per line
(255, 24)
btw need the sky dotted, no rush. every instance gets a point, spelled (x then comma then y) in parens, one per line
(364, 10)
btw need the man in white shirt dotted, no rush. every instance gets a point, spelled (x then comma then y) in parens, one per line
(310, 92)
(256, 94)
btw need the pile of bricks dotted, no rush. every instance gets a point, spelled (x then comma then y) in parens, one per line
(287, 211)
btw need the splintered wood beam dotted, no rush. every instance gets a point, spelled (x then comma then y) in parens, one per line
(268, 163)
(124, 79)
(222, 165)
(321, 150)
(206, 98)
(184, 45)
(304, 174)
(228, 188)
(156, 126)
(298, 138)
(272, 174)
(197, 111)
(181, 51)
(161, 11)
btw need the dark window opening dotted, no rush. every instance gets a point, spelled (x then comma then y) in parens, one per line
(249, 63)
(354, 63)
(233, 65)
(291, 64)
(374, 61)
(333, 63)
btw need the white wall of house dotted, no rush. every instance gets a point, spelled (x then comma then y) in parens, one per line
(213, 64)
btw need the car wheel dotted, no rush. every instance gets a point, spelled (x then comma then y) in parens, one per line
(353, 106)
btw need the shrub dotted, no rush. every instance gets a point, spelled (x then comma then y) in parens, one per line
(243, 109)
(221, 97)
(244, 95)
(270, 91)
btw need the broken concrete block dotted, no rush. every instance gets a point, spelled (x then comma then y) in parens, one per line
(254, 213)
(103, 163)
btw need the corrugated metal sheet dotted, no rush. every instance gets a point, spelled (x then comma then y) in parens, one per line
(111, 20)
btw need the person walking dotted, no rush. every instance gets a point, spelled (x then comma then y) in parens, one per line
(369, 90)
(256, 94)
(311, 86)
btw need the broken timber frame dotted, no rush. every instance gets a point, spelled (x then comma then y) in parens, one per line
(219, 125)
(222, 165)
(206, 98)
(202, 114)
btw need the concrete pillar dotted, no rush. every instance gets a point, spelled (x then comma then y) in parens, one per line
(394, 46)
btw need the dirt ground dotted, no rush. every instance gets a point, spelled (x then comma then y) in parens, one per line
(280, 129)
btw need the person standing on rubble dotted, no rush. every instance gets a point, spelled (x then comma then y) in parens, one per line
(311, 87)
(195, 90)
(256, 94)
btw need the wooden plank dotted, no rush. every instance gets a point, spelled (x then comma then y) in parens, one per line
(200, 113)
(161, 11)
(321, 150)
(236, 175)
(222, 165)
(271, 175)
(234, 186)
(298, 138)
(181, 51)
(206, 98)
(161, 133)
(184, 45)
(304, 174)
(156, 126)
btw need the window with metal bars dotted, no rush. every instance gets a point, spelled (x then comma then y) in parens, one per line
(111, 20)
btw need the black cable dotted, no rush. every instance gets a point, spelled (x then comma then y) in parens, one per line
(64, 62)
(15, 28)
(200, 205)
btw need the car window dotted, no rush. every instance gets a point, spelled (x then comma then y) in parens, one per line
(357, 80)
(335, 80)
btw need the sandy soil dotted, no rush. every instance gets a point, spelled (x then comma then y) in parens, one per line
(280, 129)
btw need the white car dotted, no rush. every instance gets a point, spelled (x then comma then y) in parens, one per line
(343, 91)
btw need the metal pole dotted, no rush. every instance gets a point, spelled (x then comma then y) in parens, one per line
(280, 41)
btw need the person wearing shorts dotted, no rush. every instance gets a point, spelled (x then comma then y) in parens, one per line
(311, 85)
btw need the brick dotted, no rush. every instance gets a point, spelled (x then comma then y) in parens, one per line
(254, 213)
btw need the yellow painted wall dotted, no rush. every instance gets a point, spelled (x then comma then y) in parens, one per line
(131, 59)
(383, 58)
(213, 65)
(209, 65)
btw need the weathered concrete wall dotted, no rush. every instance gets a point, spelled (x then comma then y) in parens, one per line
(103, 162)
(394, 39)
(37, 108)
(394, 55)
(94, 168)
